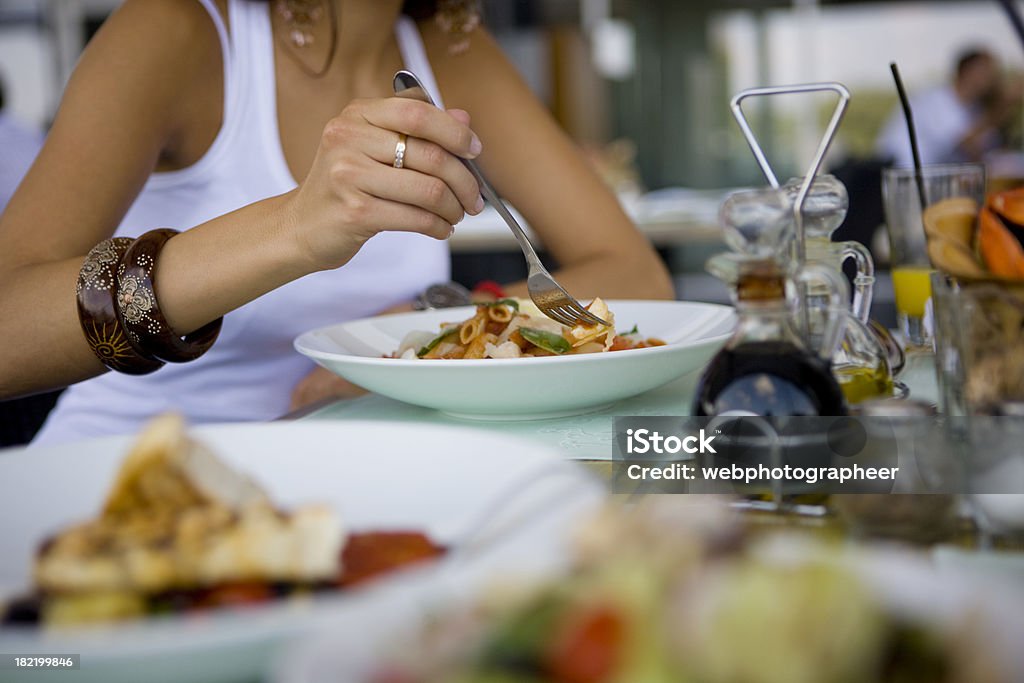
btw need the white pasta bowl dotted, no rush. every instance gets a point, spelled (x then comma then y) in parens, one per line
(521, 388)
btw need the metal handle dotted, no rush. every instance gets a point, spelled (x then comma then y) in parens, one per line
(863, 281)
(826, 141)
(407, 84)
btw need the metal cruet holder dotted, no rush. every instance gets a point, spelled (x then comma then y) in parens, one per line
(800, 247)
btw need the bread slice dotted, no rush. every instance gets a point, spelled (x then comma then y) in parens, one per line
(199, 547)
(179, 518)
(166, 470)
(953, 219)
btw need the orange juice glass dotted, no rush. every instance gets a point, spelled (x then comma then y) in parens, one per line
(908, 255)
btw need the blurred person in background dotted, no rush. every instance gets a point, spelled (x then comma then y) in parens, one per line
(957, 122)
(269, 135)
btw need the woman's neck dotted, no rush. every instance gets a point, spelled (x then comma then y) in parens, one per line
(365, 31)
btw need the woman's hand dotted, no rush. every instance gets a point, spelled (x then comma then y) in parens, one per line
(353, 191)
(542, 174)
(321, 385)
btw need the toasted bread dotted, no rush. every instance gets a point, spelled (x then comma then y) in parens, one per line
(167, 470)
(177, 517)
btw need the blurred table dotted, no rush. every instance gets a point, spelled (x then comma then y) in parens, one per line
(578, 437)
(588, 439)
(668, 218)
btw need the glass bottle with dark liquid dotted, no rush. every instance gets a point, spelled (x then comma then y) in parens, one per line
(766, 368)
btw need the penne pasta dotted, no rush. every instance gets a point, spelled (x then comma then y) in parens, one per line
(471, 329)
(458, 351)
(514, 328)
(589, 347)
(478, 348)
(499, 314)
(445, 350)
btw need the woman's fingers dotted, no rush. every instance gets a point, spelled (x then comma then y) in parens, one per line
(420, 120)
(414, 188)
(430, 159)
(460, 115)
(389, 215)
(353, 191)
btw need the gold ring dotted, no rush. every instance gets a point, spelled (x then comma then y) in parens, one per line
(400, 151)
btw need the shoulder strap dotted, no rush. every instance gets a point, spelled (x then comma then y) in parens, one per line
(227, 55)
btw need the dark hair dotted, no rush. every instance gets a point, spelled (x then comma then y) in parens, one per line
(419, 9)
(969, 57)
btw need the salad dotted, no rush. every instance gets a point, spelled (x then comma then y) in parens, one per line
(678, 592)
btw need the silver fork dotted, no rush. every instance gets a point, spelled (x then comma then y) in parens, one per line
(550, 297)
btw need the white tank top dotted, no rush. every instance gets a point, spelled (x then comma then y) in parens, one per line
(251, 370)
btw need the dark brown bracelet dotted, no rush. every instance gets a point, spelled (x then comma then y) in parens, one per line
(97, 311)
(139, 311)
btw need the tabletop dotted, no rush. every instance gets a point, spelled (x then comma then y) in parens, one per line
(587, 436)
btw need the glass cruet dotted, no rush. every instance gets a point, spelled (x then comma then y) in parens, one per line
(861, 363)
(766, 368)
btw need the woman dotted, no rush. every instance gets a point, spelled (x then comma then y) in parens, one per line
(268, 134)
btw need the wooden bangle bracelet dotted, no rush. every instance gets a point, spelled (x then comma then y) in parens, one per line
(97, 311)
(139, 311)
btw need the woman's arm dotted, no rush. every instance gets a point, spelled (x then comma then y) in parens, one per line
(113, 124)
(135, 93)
(537, 168)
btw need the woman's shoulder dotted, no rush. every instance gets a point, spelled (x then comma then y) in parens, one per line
(459, 73)
(169, 20)
(439, 43)
(155, 59)
(179, 33)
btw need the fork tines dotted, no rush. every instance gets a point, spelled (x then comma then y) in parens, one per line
(572, 314)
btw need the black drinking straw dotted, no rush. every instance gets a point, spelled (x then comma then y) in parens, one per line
(909, 116)
(1014, 15)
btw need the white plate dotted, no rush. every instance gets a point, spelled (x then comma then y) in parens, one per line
(521, 388)
(378, 475)
(905, 583)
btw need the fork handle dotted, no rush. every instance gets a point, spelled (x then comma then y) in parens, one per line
(494, 200)
(407, 84)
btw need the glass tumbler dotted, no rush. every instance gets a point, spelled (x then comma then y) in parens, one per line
(911, 268)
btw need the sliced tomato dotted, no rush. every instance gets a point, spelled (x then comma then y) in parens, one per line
(370, 554)
(236, 594)
(626, 343)
(588, 647)
(621, 343)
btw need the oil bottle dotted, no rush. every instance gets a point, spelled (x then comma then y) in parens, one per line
(766, 368)
(860, 363)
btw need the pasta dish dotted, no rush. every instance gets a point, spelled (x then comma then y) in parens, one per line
(515, 328)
